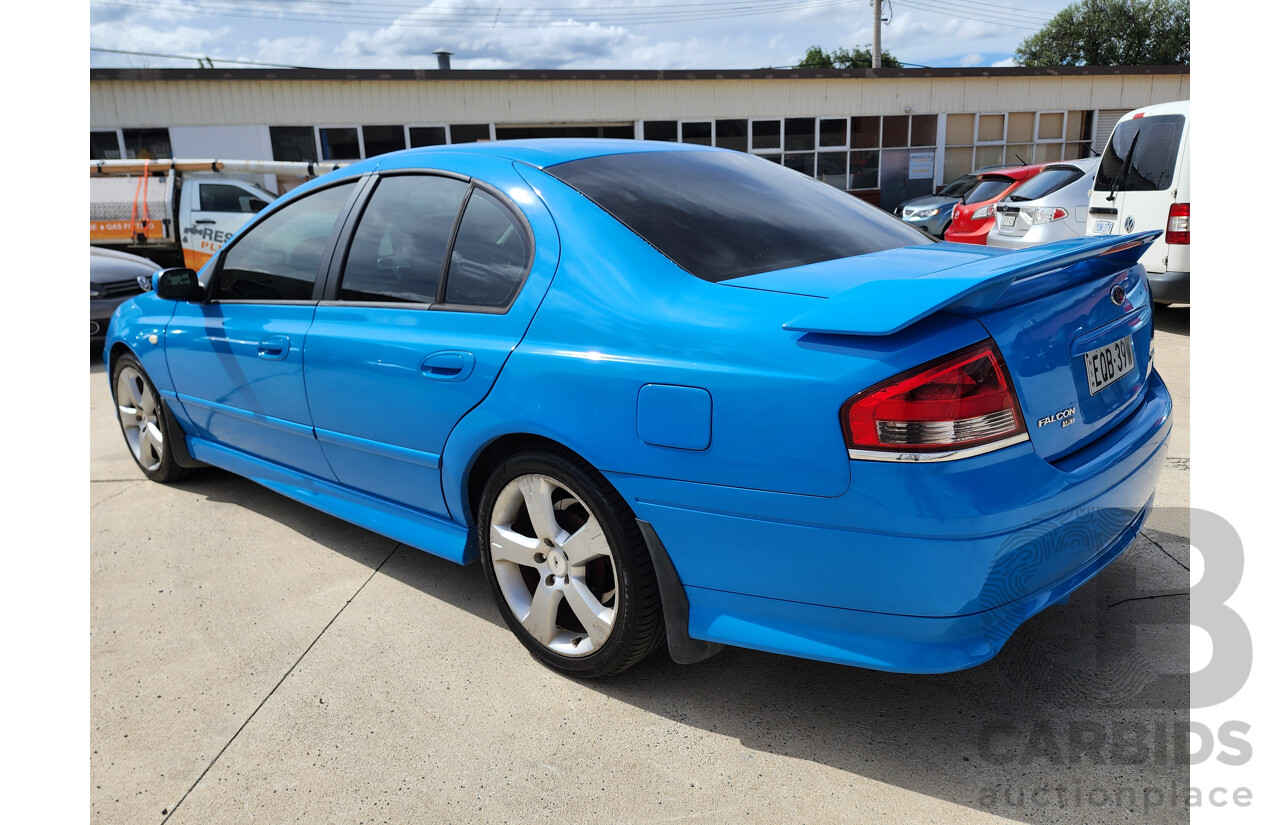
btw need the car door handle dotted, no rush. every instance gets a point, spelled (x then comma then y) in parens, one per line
(450, 365)
(276, 347)
(205, 220)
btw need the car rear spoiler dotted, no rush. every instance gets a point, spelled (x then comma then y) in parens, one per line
(883, 307)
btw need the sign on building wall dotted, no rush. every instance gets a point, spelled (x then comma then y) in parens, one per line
(921, 165)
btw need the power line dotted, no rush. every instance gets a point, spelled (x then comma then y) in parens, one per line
(198, 59)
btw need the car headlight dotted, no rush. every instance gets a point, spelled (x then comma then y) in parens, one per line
(95, 291)
(927, 213)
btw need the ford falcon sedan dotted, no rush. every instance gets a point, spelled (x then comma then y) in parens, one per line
(668, 394)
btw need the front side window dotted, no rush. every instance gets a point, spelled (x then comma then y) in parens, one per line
(489, 255)
(279, 258)
(397, 253)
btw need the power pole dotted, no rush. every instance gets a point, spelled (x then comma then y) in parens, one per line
(875, 34)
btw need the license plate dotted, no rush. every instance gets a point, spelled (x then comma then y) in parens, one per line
(1102, 227)
(1007, 218)
(1105, 365)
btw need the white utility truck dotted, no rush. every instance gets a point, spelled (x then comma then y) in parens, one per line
(180, 212)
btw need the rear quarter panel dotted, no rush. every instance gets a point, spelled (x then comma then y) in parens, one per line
(620, 316)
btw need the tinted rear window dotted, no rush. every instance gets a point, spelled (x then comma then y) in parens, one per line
(960, 187)
(1046, 183)
(1153, 144)
(722, 215)
(987, 189)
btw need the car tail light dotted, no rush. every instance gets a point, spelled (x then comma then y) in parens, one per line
(984, 212)
(963, 400)
(1043, 214)
(1179, 228)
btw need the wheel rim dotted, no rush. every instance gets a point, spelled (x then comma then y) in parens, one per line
(554, 565)
(139, 418)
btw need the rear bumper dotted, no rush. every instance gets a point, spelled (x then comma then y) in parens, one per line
(975, 236)
(922, 568)
(1170, 287)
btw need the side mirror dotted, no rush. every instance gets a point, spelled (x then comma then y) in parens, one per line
(178, 284)
(257, 204)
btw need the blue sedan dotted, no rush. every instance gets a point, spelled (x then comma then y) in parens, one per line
(668, 394)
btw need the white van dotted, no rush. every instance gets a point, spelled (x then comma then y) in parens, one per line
(1144, 182)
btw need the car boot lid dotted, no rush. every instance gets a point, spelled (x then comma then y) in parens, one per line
(886, 292)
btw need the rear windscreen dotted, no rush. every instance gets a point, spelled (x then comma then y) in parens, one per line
(1046, 183)
(987, 189)
(1141, 155)
(722, 215)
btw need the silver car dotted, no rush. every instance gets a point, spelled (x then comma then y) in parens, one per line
(1052, 206)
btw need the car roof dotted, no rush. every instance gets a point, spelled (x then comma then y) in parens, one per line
(540, 152)
(1016, 172)
(1176, 107)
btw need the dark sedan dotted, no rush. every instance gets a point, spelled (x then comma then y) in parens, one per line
(113, 277)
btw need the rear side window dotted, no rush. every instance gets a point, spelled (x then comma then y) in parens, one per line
(397, 253)
(278, 259)
(1046, 183)
(489, 255)
(1141, 155)
(722, 215)
(987, 189)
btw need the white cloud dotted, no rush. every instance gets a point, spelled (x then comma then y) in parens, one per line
(972, 60)
(1008, 62)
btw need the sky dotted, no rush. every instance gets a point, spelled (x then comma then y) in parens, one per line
(555, 34)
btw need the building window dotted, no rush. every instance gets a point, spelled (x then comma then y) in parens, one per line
(1014, 139)
(924, 131)
(147, 143)
(696, 131)
(468, 132)
(661, 130)
(297, 143)
(427, 136)
(766, 134)
(378, 140)
(732, 134)
(340, 143)
(104, 146)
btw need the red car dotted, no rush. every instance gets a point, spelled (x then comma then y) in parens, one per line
(974, 216)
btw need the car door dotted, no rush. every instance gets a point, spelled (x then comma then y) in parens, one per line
(236, 359)
(424, 314)
(212, 212)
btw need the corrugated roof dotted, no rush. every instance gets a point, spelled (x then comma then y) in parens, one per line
(463, 75)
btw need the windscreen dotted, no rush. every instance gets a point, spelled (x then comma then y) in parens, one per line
(722, 215)
(1141, 155)
(1046, 183)
(987, 189)
(959, 187)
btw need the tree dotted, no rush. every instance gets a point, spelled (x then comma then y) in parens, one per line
(842, 58)
(1113, 33)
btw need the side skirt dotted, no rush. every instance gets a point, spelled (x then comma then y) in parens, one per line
(435, 535)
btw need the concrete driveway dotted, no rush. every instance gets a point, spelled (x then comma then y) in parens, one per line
(255, 660)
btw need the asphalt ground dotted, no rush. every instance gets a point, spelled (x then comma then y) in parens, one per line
(253, 659)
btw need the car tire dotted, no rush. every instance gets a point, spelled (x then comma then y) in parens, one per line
(567, 564)
(144, 421)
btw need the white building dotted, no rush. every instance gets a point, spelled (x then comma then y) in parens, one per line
(885, 135)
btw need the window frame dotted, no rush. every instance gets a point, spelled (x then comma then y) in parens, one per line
(359, 141)
(351, 222)
(326, 258)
